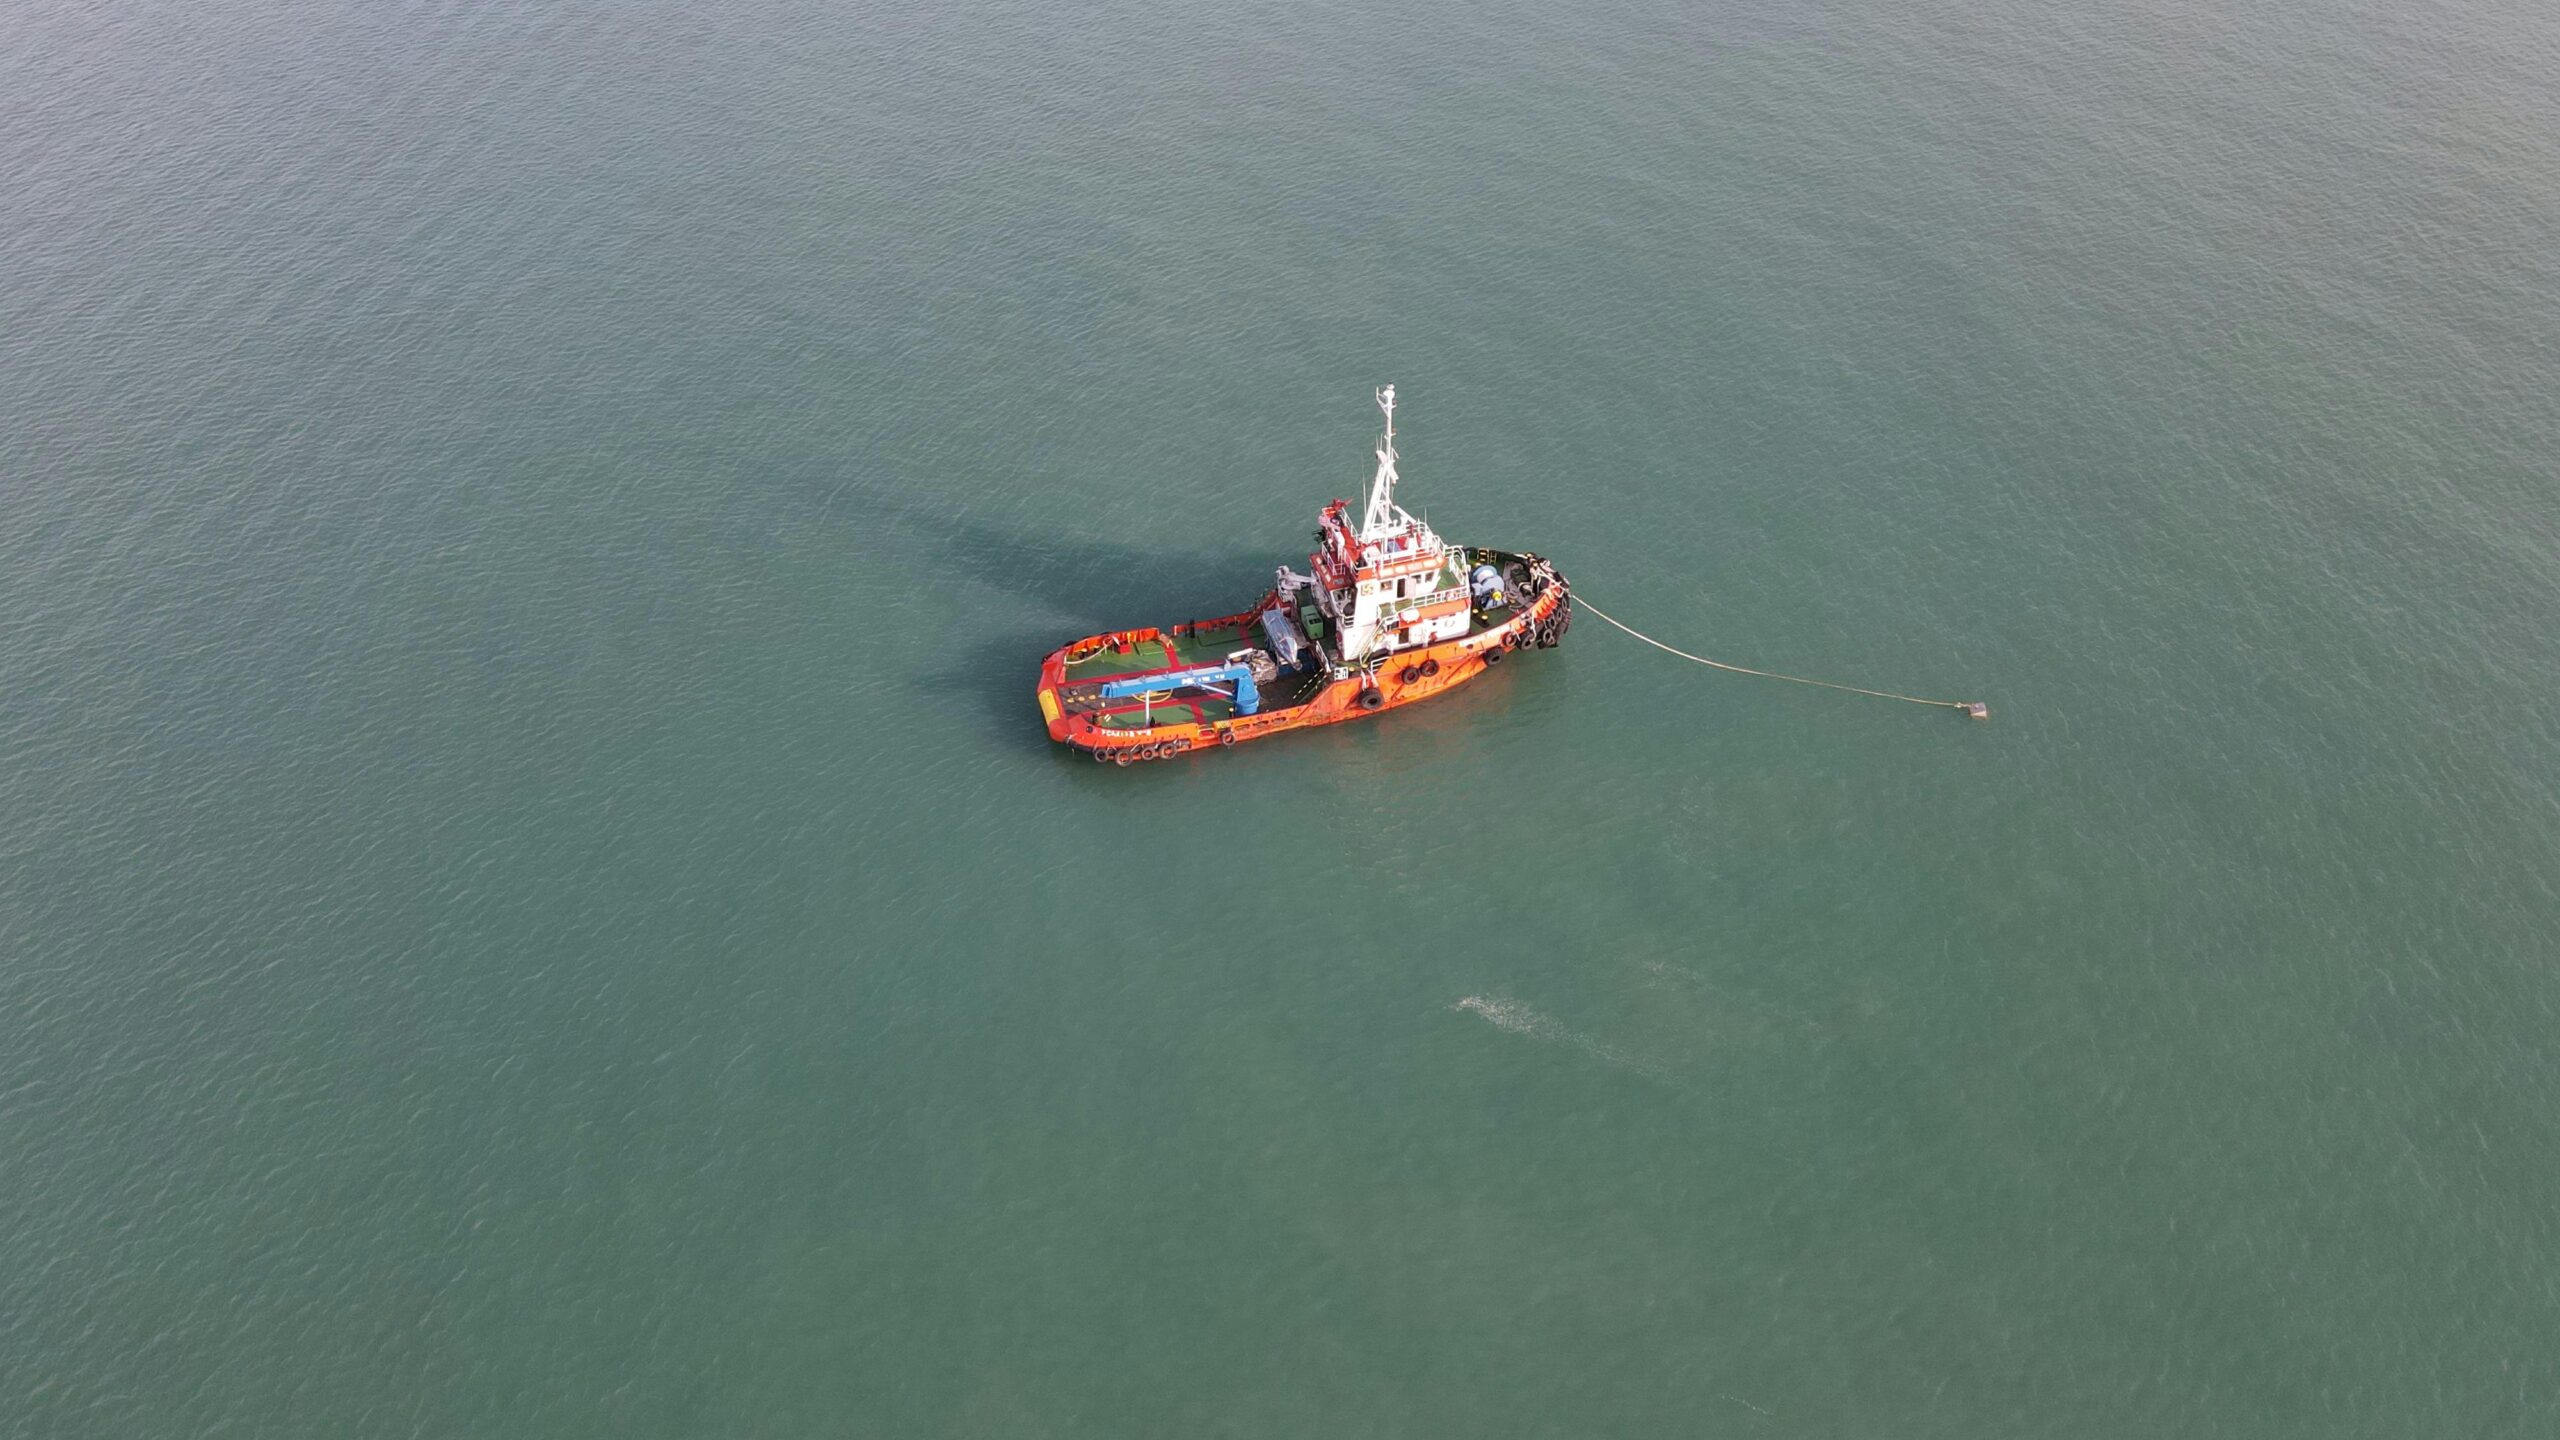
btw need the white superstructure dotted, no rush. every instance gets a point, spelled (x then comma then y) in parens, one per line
(1393, 584)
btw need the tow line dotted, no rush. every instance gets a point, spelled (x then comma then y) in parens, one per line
(1974, 708)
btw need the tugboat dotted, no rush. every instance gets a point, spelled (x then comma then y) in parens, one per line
(1387, 613)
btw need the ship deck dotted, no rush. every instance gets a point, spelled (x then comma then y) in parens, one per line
(1203, 645)
(1164, 652)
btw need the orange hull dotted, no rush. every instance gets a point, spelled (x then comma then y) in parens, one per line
(1397, 679)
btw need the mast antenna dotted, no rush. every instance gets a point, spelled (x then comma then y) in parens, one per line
(1382, 486)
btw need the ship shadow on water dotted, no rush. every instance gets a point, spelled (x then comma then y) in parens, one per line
(1092, 586)
(1073, 589)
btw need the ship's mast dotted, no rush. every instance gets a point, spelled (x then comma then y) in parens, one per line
(1382, 487)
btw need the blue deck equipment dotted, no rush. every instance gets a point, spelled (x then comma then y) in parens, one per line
(1247, 699)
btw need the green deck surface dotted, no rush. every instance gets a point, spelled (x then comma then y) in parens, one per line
(1206, 648)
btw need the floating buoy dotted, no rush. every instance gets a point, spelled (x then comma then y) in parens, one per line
(1977, 710)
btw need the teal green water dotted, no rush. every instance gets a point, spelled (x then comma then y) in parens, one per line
(536, 902)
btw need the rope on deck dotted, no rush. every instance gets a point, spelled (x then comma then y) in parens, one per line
(1974, 708)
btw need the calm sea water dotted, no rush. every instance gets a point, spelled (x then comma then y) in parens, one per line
(535, 900)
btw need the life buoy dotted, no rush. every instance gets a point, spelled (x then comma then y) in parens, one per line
(1371, 699)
